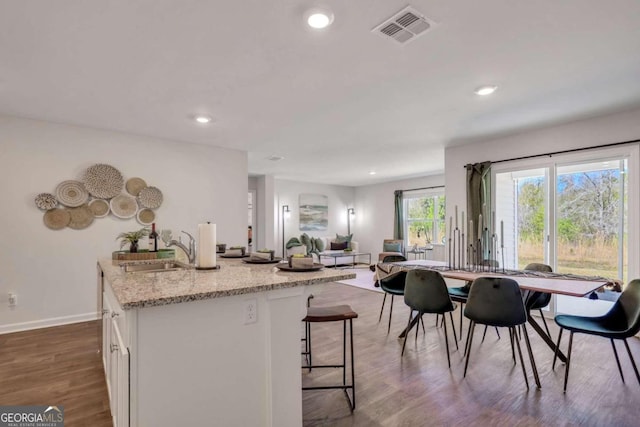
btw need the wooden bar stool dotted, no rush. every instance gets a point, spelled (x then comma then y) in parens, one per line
(333, 314)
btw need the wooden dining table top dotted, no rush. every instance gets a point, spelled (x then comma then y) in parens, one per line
(554, 285)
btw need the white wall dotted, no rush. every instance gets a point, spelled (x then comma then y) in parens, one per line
(53, 272)
(340, 199)
(374, 205)
(584, 133)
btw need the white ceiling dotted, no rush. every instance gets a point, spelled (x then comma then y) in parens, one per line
(336, 103)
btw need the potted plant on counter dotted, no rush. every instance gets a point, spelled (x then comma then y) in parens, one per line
(132, 238)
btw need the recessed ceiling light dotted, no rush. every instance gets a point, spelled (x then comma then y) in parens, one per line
(485, 90)
(318, 18)
(275, 158)
(203, 119)
(372, 173)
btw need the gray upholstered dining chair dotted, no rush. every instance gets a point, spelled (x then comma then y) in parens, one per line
(622, 321)
(539, 300)
(425, 291)
(498, 302)
(461, 293)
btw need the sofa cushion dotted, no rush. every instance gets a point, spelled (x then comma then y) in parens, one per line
(338, 246)
(346, 239)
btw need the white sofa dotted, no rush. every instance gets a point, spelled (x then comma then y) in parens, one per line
(345, 260)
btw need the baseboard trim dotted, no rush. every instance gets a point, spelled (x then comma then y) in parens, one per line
(47, 323)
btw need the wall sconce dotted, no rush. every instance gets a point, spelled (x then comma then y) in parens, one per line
(286, 213)
(350, 213)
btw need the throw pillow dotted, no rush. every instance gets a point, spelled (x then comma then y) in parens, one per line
(347, 239)
(338, 246)
(319, 244)
(391, 247)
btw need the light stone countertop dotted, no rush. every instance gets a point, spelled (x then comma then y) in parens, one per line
(144, 289)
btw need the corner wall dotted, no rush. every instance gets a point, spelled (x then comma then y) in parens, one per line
(53, 272)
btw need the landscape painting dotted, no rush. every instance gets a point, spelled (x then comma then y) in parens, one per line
(314, 212)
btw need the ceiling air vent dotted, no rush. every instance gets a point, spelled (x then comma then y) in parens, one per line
(404, 26)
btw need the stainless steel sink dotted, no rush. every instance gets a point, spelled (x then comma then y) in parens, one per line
(156, 267)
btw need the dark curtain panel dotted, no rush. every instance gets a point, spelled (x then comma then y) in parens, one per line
(479, 194)
(398, 219)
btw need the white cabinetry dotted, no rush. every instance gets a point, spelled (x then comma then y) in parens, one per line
(115, 357)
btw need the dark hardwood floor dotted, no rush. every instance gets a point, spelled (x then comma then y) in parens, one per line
(56, 366)
(419, 389)
(61, 366)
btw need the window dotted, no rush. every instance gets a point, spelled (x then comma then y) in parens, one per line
(424, 222)
(574, 213)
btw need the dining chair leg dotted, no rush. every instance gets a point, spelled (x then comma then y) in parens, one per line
(470, 342)
(466, 344)
(555, 355)
(524, 372)
(453, 328)
(446, 339)
(417, 327)
(461, 312)
(484, 334)
(404, 343)
(566, 372)
(382, 308)
(615, 352)
(545, 322)
(390, 314)
(498, 332)
(437, 316)
(513, 349)
(531, 358)
(422, 321)
(633, 362)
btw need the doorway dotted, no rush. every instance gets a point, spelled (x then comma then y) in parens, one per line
(571, 215)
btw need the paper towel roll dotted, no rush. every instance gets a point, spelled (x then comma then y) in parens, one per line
(206, 245)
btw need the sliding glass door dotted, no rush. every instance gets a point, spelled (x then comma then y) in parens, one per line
(569, 215)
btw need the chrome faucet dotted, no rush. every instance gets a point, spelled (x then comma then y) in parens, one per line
(190, 251)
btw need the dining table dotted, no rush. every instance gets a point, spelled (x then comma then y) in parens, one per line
(530, 283)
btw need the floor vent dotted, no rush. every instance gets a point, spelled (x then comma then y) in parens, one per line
(404, 26)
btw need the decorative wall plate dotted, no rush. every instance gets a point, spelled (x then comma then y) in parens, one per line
(124, 206)
(134, 185)
(81, 217)
(72, 193)
(146, 216)
(103, 181)
(46, 201)
(150, 197)
(57, 219)
(99, 207)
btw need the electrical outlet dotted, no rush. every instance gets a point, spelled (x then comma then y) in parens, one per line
(13, 299)
(250, 311)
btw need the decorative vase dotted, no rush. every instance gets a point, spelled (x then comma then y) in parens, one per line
(134, 247)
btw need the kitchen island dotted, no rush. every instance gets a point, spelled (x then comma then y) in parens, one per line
(192, 347)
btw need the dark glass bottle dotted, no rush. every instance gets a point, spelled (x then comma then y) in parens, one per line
(153, 239)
